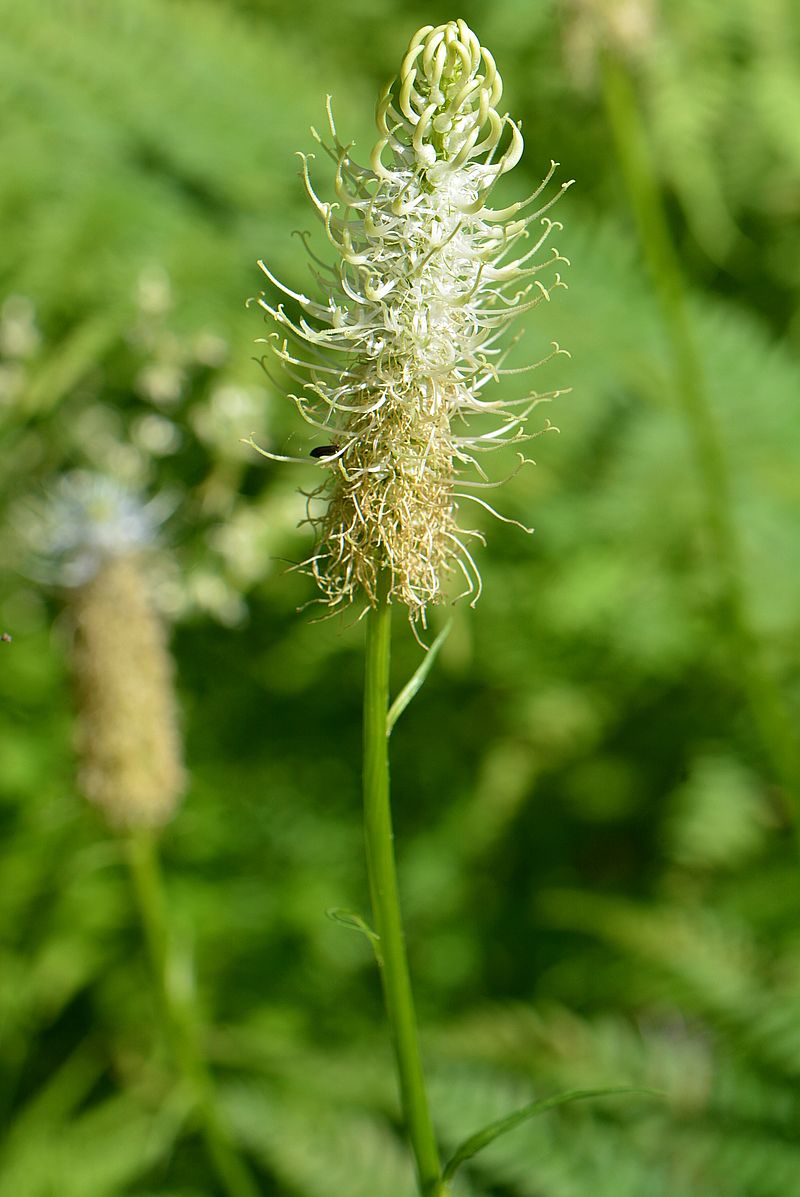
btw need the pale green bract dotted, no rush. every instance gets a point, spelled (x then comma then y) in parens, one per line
(396, 357)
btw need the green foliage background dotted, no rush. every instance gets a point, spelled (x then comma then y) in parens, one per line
(598, 862)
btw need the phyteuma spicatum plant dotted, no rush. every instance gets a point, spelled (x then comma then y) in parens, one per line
(394, 360)
(392, 363)
(92, 537)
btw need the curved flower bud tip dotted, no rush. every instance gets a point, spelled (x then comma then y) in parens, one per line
(397, 351)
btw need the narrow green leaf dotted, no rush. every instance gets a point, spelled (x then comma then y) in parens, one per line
(502, 1126)
(355, 922)
(417, 681)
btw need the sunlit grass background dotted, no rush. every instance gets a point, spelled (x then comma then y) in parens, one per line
(597, 857)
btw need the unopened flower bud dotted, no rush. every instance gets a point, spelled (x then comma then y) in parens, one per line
(625, 28)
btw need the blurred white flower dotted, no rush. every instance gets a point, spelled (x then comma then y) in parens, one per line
(161, 382)
(157, 435)
(154, 291)
(86, 520)
(19, 333)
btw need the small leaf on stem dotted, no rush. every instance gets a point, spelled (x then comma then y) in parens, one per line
(417, 680)
(502, 1126)
(355, 922)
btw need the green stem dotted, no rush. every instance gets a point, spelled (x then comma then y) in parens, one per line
(382, 871)
(179, 1015)
(769, 712)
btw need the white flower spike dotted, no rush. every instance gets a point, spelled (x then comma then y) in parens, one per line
(393, 362)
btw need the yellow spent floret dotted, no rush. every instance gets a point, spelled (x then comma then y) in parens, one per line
(128, 740)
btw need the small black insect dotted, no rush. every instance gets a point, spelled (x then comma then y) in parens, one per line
(324, 450)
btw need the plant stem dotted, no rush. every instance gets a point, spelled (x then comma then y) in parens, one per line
(179, 1015)
(769, 711)
(382, 872)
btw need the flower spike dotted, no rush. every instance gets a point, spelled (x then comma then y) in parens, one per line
(421, 291)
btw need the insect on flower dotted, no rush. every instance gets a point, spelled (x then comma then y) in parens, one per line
(394, 355)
